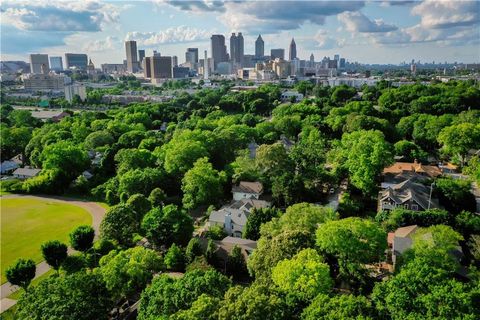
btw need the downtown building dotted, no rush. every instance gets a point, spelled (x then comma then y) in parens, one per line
(219, 49)
(76, 61)
(131, 52)
(236, 50)
(39, 63)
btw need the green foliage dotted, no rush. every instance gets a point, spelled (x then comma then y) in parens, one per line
(236, 265)
(166, 295)
(305, 275)
(455, 195)
(216, 232)
(256, 302)
(54, 252)
(256, 218)
(339, 307)
(98, 139)
(127, 272)
(157, 197)
(409, 150)
(205, 308)
(202, 185)
(119, 224)
(81, 239)
(194, 249)
(140, 204)
(74, 263)
(21, 273)
(458, 139)
(175, 258)
(167, 225)
(78, 296)
(342, 93)
(402, 217)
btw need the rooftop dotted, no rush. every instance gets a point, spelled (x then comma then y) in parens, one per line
(248, 187)
(405, 232)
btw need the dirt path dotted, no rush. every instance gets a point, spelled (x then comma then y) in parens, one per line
(97, 212)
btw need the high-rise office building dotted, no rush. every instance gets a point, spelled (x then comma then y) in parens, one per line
(236, 49)
(341, 64)
(259, 47)
(277, 53)
(141, 56)
(219, 49)
(147, 71)
(76, 60)
(336, 57)
(56, 63)
(161, 67)
(39, 63)
(312, 60)
(191, 55)
(174, 61)
(132, 61)
(292, 54)
(205, 66)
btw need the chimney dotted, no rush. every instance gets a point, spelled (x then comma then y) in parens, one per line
(228, 223)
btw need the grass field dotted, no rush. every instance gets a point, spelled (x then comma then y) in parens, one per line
(27, 223)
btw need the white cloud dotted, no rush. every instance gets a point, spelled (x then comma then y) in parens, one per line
(446, 14)
(109, 43)
(358, 22)
(168, 36)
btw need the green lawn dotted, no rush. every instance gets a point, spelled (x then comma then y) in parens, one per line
(27, 223)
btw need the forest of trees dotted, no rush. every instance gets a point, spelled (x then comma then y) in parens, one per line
(162, 162)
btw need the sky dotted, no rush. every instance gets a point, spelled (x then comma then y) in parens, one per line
(363, 31)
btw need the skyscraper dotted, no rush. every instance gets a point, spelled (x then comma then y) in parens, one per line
(191, 55)
(219, 50)
(277, 53)
(132, 61)
(293, 50)
(147, 71)
(161, 67)
(174, 61)
(76, 60)
(259, 47)
(56, 63)
(141, 56)
(205, 66)
(39, 63)
(236, 49)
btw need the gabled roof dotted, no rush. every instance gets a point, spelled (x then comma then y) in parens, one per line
(238, 216)
(406, 232)
(399, 167)
(28, 172)
(248, 187)
(410, 190)
(249, 204)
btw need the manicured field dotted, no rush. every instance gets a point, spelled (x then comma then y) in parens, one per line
(27, 223)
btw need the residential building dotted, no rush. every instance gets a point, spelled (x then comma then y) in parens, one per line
(409, 195)
(233, 217)
(56, 63)
(132, 59)
(8, 166)
(79, 89)
(277, 54)
(289, 95)
(425, 170)
(219, 49)
(247, 190)
(292, 53)
(25, 173)
(76, 60)
(259, 47)
(161, 68)
(225, 247)
(401, 240)
(39, 63)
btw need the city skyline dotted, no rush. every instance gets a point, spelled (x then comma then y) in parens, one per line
(368, 32)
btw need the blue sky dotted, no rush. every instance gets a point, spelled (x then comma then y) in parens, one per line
(364, 31)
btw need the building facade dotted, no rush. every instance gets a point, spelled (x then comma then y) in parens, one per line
(292, 53)
(161, 67)
(76, 60)
(277, 53)
(132, 59)
(219, 49)
(56, 63)
(259, 47)
(39, 63)
(237, 49)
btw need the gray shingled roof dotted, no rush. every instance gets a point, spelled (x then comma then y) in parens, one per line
(410, 190)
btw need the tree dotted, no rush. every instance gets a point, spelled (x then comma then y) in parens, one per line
(363, 154)
(129, 159)
(119, 224)
(157, 197)
(339, 307)
(21, 273)
(460, 138)
(175, 258)
(74, 263)
(402, 217)
(140, 205)
(455, 195)
(304, 87)
(256, 302)
(271, 250)
(342, 93)
(272, 159)
(305, 275)
(54, 252)
(98, 139)
(81, 239)
(194, 249)
(205, 308)
(210, 252)
(202, 185)
(166, 295)
(128, 272)
(409, 150)
(255, 219)
(216, 232)
(80, 296)
(352, 239)
(167, 225)
(236, 265)
(67, 157)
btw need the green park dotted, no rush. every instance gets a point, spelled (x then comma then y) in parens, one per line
(26, 223)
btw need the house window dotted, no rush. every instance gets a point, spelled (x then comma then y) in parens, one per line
(414, 207)
(405, 206)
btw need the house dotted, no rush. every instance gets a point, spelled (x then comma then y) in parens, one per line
(289, 95)
(409, 195)
(233, 217)
(425, 170)
(226, 245)
(8, 166)
(247, 190)
(401, 240)
(26, 173)
(391, 179)
(55, 116)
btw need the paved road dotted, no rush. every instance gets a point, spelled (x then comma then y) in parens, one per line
(93, 208)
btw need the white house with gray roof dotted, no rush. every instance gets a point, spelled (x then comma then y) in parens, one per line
(26, 173)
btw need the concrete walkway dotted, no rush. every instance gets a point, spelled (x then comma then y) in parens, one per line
(93, 208)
